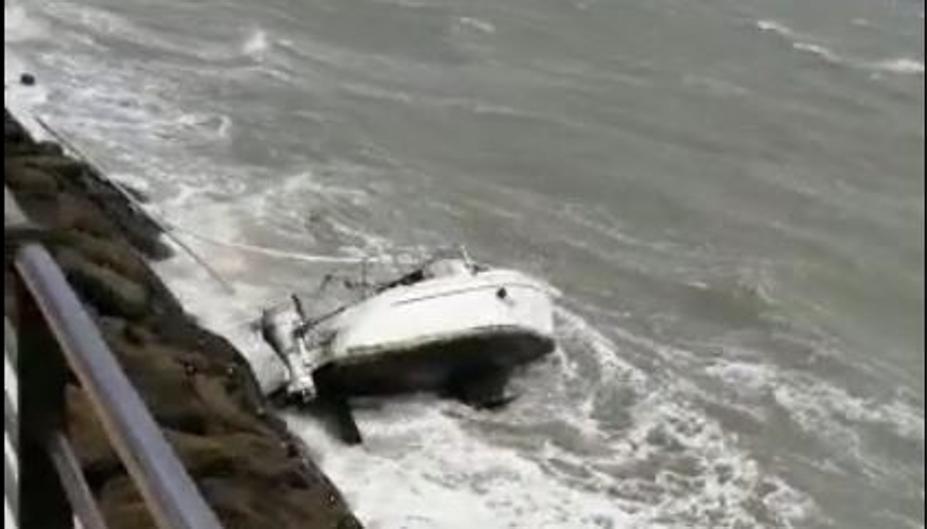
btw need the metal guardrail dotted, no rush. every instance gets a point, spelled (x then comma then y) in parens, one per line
(56, 333)
(10, 428)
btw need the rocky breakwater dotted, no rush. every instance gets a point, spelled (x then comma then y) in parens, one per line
(199, 389)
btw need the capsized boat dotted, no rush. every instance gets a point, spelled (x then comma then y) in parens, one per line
(450, 326)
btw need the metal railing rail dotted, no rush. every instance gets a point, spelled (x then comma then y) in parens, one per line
(50, 316)
(10, 428)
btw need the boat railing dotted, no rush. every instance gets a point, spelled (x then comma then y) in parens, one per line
(56, 340)
(364, 286)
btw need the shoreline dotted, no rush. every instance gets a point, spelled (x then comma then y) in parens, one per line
(199, 388)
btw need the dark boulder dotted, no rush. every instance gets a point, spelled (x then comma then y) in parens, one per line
(111, 292)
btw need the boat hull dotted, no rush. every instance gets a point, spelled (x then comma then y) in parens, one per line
(430, 335)
(444, 364)
(461, 333)
(442, 308)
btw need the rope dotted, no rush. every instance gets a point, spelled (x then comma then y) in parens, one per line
(169, 227)
(138, 206)
(274, 252)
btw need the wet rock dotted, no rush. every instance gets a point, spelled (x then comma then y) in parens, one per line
(72, 212)
(13, 133)
(224, 407)
(109, 291)
(128, 516)
(349, 522)
(108, 253)
(255, 458)
(164, 386)
(237, 505)
(52, 163)
(122, 505)
(48, 148)
(29, 179)
(202, 455)
(141, 231)
(241, 505)
(137, 335)
(178, 330)
(104, 196)
(197, 386)
(93, 448)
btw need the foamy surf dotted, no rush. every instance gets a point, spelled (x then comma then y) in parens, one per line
(904, 65)
(812, 46)
(298, 128)
(256, 44)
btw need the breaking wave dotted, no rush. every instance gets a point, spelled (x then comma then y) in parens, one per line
(904, 65)
(809, 45)
(548, 462)
(477, 24)
(256, 44)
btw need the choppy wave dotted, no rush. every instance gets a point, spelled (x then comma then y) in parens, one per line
(480, 25)
(820, 51)
(775, 27)
(669, 466)
(822, 410)
(611, 431)
(256, 44)
(903, 65)
(800, 42)
(18, 25)
(812, 46)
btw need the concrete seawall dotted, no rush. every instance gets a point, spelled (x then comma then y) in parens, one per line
(198, 387)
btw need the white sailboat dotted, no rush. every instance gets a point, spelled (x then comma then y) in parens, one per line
(449, 326)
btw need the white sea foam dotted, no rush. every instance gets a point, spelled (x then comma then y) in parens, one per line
(207, 125)
(775, 27)
(256, 44)
(821, 410)
(441, 469)
(18, 25)
(573, 328)
(714, 86)
(668, 432)
(745, 378)
(904, 65)
(816, 404)
(810, 45)
(800, 42)
(442, 476)
(477, 24)
(818, 50)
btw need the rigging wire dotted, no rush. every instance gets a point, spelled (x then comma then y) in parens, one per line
(171, 229)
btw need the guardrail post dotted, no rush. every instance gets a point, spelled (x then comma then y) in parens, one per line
(42, 378)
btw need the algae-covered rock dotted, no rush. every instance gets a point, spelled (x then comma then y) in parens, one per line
(223, 406)
(122, 505)
(108, 253)
(86, 433)
(109, 291)
(53, 163)
(28, 179)
(69, 211)
(165, 388)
